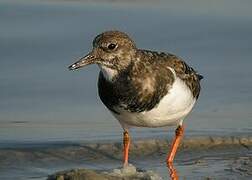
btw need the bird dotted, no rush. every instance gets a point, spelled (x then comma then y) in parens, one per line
(142, 88)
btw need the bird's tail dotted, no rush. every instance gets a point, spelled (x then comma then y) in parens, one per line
(200, 76)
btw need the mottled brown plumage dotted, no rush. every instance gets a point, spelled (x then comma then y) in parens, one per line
(137, 88)
(142, 77)
(142, 88)
(183, 71)
(146, 80)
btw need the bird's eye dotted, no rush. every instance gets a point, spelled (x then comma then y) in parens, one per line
(111, 46)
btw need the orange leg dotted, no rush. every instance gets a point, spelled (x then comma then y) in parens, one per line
(178, 136)
(126, 145)
(173, 172)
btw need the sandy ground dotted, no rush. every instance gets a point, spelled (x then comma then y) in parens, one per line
(198, 158)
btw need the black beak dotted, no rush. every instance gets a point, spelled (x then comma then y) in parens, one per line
(84, 61)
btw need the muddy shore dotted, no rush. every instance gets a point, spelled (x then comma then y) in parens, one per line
(215, 157)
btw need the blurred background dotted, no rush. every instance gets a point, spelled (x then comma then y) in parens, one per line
(41, 101)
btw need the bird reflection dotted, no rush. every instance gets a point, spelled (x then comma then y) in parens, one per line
(173, 171)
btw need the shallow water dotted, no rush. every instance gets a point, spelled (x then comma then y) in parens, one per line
(41, 101)
(199, 158)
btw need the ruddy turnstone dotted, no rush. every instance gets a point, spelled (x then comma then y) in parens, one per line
(142, 88)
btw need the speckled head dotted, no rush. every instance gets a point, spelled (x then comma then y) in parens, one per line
(112, 51)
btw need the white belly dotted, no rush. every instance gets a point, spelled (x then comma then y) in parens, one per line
(170, 111)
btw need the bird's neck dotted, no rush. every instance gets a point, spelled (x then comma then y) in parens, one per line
(109, 73)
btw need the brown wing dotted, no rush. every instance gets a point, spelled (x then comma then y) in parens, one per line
(183, 71)
(186, 73)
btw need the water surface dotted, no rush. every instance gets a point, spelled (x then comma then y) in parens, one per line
(42, 101)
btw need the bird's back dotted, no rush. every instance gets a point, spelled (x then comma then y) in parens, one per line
(182, 70)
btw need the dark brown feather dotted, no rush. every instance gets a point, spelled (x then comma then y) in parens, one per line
(183, 71)
(146, 81)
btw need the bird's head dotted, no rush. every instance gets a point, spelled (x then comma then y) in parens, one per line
(112, 51)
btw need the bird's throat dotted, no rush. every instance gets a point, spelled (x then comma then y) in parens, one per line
(108, 73)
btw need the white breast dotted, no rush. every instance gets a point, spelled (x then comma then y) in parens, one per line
(170, 111)
(108, 73)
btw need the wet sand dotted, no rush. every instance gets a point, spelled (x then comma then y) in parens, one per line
(214, 157)
(126, 173)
